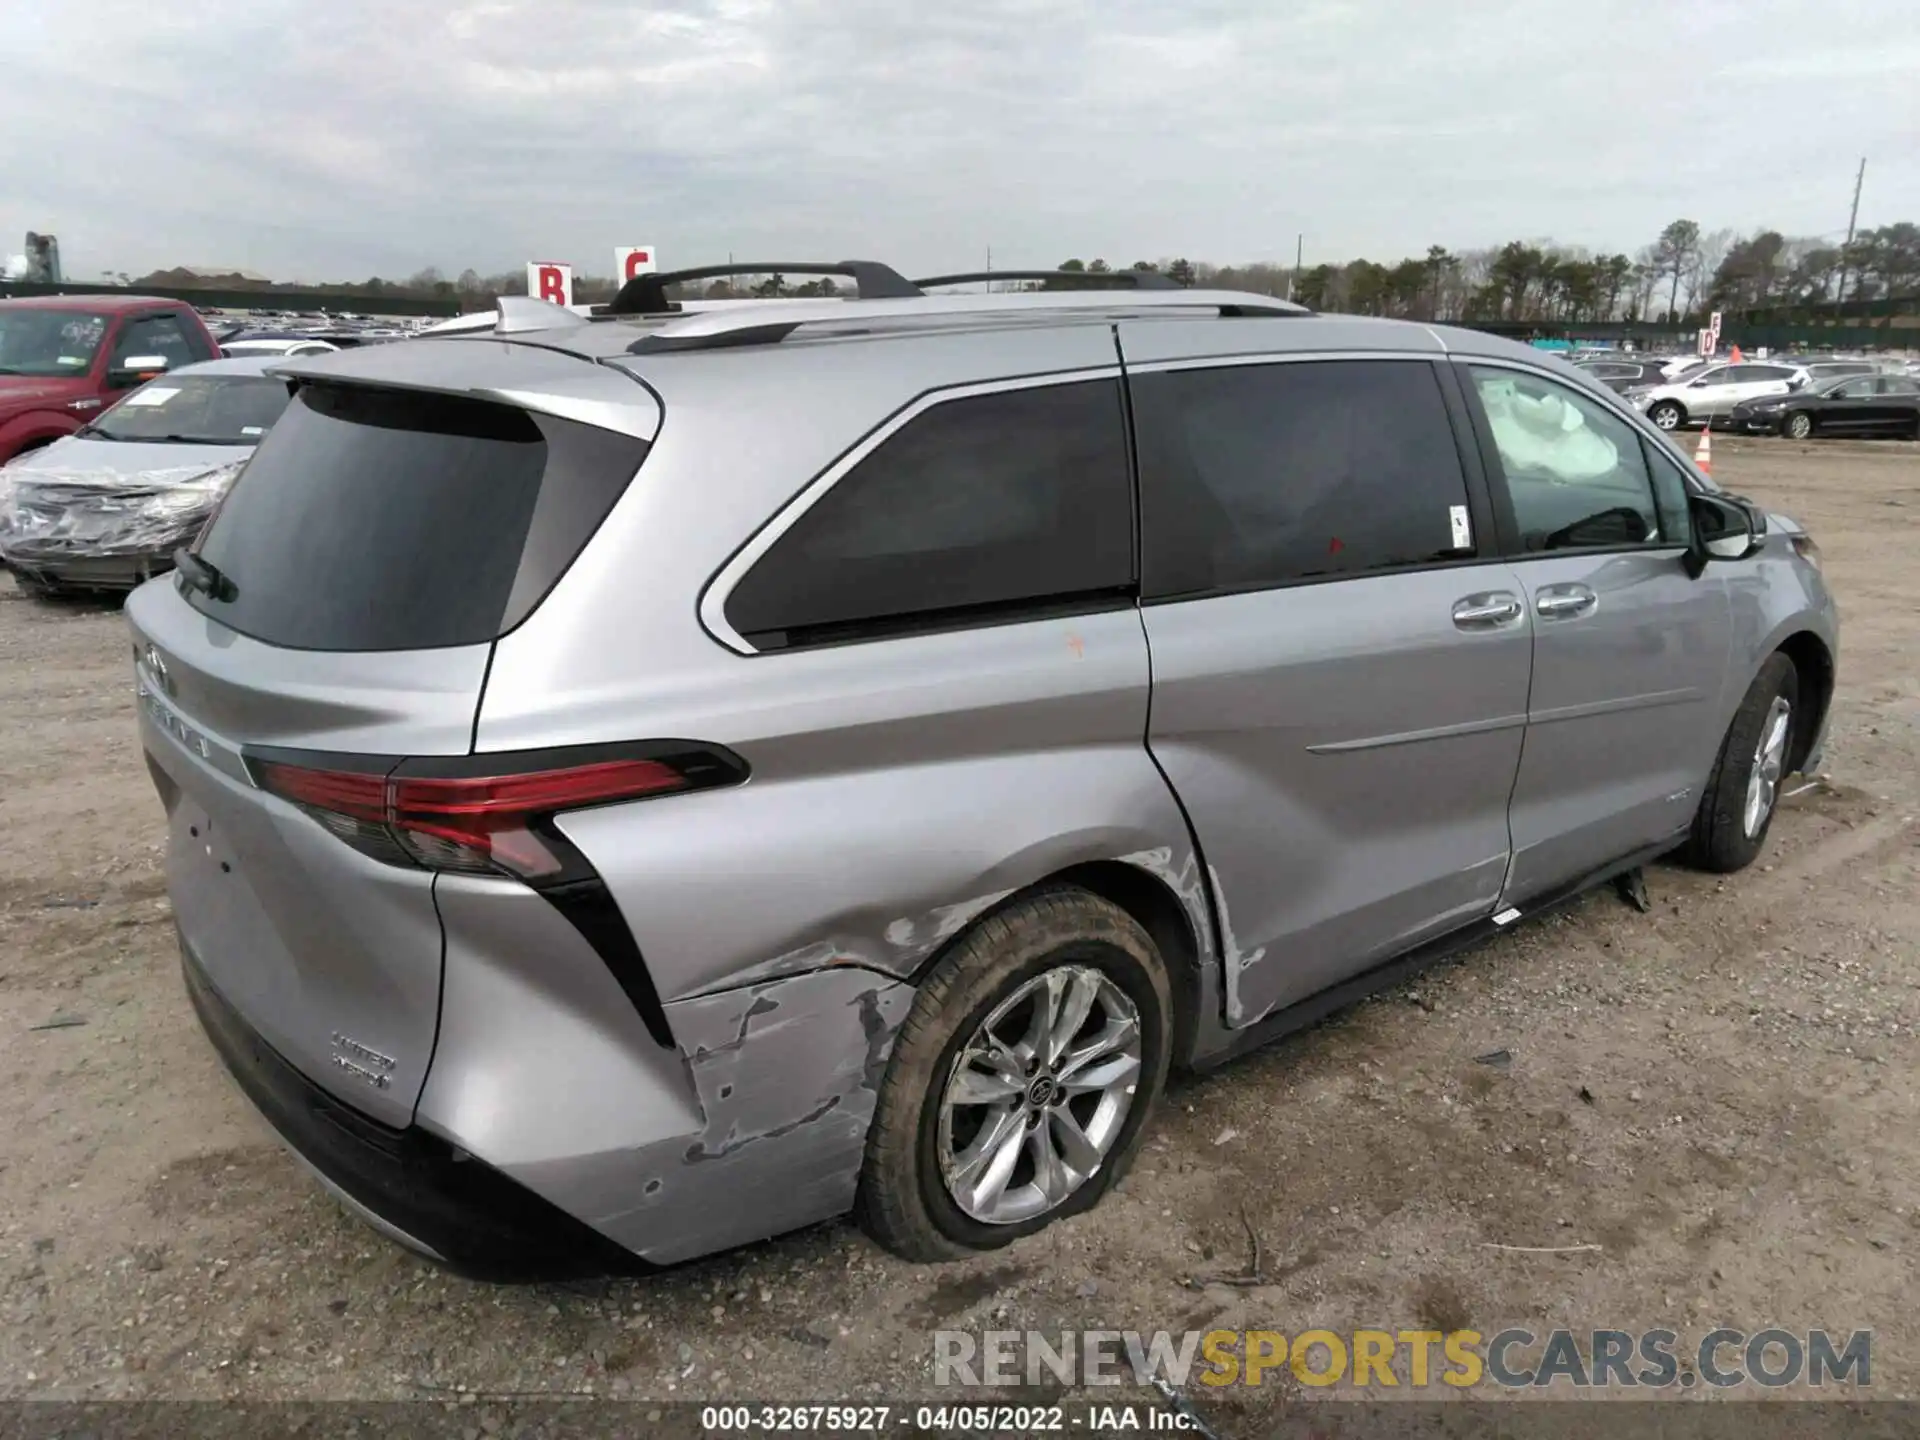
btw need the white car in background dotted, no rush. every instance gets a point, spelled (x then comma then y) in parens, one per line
(1699, 398)
(277, 346)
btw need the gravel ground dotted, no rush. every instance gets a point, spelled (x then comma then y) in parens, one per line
(1720, 1095)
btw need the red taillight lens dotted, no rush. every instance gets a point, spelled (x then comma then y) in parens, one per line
(474, 823)
(358, 797)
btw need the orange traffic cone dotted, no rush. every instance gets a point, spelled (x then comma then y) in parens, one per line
(1735, 356)
(1703, 456)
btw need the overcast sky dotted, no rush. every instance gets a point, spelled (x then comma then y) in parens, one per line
(335, 139)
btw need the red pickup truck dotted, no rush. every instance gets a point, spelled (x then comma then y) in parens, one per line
(65, 358)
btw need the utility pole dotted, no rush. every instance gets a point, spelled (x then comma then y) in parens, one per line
(1853, 220)
(1299, 249)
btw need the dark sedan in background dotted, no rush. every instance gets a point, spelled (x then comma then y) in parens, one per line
(1846, 405)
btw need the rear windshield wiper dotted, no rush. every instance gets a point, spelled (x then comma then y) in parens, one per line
(203, 575)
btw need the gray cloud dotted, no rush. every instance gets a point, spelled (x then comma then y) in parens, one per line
(349, 138)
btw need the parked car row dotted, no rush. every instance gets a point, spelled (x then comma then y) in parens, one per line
(1843, 405)
(1794, 396)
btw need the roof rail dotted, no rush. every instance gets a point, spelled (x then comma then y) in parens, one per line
(753, 325)
(1075, 279)
(647, 294)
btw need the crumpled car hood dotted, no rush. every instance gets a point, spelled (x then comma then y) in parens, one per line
(73, 501)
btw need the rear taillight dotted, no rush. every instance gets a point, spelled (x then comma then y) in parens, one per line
(485, 813)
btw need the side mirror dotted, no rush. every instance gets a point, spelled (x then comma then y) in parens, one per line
(1723, 529)
(136, 370)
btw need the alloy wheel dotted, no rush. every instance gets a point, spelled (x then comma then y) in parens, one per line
(1769, 758)
(1038, 1095)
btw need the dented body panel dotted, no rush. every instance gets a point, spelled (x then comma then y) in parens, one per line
(752, 1125)
(974, 765)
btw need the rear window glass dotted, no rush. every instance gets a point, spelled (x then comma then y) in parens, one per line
(979, 510)
(386, 520)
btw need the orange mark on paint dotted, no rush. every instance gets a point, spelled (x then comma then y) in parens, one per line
(1078, 646)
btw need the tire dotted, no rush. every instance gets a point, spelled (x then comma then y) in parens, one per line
(1667, 414)
(35, 588)
(1726, 835)
(1798, 426)
(905, 1200)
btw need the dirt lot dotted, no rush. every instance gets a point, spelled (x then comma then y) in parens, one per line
(1721, 1095)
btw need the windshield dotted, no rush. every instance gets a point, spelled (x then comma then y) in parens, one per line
(196, 410)
(48, 342)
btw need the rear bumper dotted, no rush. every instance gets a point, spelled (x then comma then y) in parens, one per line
(411, 1186)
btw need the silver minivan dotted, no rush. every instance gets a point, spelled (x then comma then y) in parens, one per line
(642, 782)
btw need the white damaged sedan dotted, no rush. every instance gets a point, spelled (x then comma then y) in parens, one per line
(106, 507)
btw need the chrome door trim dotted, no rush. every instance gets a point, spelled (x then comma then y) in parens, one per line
(1691, 695)
(1282, 357)
(1414, 737)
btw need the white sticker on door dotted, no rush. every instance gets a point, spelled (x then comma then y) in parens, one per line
(1462, 529)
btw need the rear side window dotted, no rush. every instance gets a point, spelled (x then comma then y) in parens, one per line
(1261, 475)
(978, 510)
(389, 520)
(167, 335)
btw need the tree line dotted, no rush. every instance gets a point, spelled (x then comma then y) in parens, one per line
(1680, 276)
(1676, 278)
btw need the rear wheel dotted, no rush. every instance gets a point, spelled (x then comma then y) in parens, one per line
(1743, 790)
(1799, 425)
(1667, 414)
(1021, 1081)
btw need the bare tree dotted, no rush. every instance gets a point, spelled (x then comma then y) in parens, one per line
(1703, 262)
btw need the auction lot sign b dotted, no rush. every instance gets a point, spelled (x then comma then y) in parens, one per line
(549, 281)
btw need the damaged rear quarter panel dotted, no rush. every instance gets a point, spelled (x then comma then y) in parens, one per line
(899, 789)
(755, 1123)
(787, 1073)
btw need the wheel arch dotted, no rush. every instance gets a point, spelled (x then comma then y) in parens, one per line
(1813, 667)
(1155, 905)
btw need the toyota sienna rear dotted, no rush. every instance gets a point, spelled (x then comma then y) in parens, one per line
(643, 783)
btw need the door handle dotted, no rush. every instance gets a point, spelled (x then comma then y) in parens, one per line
(1488, 611)
(1564, 602)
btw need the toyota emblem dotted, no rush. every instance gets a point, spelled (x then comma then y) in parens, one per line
(157, 665)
